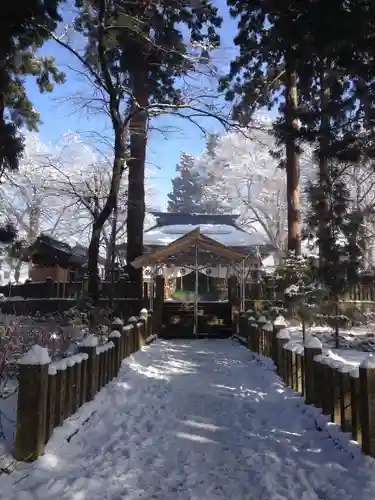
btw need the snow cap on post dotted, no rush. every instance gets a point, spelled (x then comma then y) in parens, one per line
(368, 363)
(133, 319)
(115, 334)
(262, 320)
(267, 327)
(283, 334)
(37, 355)
(143, 313)
(280, 321)
(89, 341)
(117, 321)
(313, 343)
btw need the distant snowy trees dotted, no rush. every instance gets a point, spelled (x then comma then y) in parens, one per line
(245, 177)
(57, 190)
(237, 173)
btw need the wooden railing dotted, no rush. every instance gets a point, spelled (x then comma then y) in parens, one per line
(343, 392)
(51, 391)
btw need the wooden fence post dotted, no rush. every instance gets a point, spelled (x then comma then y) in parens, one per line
(262, 321)
(51, 394)
(253, 335)
(319, 373)
(336, 392)
(150, 331)
(60, 392)
(282, 338)
(115, 337)
(278, 324)
(345, 403)
(69, 393)
(128, 336)
(355, 405)
(83, 388)
(243, 325)
(267, 332)
(111, 360)
(158, 304)
(312, 348)
(367, 404)
(133, 334)
(88, 346)
(117, 324)
(32, 404)
(234, 301)
(142, 332)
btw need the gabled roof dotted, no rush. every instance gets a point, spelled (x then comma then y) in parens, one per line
(184, 248)
(221, 228)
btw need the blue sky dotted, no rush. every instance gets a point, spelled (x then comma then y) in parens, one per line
(60, 114)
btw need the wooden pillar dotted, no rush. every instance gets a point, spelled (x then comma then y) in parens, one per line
(278, 325)
(158, 304)
(367, 404)
(282, 338)
(133, 321)
(243, 325)
(234, 300)
(149, 325)
(88, 346)
(115, 337)
(32, 404)
(253, 335)
(83, 388)
(345, 401)
(312, 348)
(262, 321)
(117, 324)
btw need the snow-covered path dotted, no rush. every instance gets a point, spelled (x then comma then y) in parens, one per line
(203, 420)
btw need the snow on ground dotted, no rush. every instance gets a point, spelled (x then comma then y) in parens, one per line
(198, 420)
(355, 344)
(358, 338)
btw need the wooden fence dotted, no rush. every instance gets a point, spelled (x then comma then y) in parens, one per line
(49, 392)
(344, 393)
(66, 290)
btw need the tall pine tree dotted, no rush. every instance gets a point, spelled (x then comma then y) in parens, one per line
(267, 35)
(187, 189)
(21, 34)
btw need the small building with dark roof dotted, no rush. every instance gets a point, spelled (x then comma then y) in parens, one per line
(51, 258)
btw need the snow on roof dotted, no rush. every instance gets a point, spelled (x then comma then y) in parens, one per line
(225, 234)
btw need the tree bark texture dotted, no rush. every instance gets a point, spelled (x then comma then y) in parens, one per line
(102, 217)
(136, 181)
(292, 164)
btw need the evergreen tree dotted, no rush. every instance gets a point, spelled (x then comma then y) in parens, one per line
(285, 46)
(268, 35)
(340, 249)
(187, 188)
(21, 34)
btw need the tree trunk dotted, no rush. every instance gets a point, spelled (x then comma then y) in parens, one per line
(324, 178)
(112, 245)
(136, 183)
(102, 217)
(292, 164)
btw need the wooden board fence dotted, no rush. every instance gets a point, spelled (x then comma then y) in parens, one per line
(51, 391)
